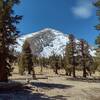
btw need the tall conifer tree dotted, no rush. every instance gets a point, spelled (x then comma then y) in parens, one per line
(97, 5)
(70, 54)
(8, 35)
(27, 57)
(84, 55)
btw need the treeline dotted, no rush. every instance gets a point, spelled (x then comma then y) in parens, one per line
(76, 57)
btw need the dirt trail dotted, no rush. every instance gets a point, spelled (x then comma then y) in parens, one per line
(49, 86)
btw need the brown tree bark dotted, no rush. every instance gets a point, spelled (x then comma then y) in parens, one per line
(3, 69)
(84, 71)
(33, 73)
(3, 74)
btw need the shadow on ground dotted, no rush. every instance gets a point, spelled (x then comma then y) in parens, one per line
(27, 95)
(50, 85)
(25, 92)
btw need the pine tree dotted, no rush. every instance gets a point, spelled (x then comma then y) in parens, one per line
(21, 64)
(97, 41)
(84, 55)
(27, 57)
(97, 5)
(8, 35)
(54, 62)
(42, 63)
(67, 61)
(70, 55)
(91, 65)
(35, 60)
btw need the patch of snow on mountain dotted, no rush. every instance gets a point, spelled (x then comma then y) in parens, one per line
(92, 52)
(21, 40)
(57, 42)
(58, 45)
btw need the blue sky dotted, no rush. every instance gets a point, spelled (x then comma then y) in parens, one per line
(69, 16)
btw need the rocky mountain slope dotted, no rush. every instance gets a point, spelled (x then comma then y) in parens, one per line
(46, 42)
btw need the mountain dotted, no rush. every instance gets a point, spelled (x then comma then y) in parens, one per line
(46, 42)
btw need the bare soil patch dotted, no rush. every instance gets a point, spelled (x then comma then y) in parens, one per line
(49, 86)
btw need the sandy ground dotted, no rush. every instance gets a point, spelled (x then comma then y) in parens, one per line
(49, 86)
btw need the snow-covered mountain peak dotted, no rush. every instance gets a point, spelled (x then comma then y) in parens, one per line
(45, 42)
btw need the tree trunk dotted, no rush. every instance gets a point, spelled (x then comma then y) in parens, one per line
(74, 74)
(56, 71)
(66, 73)
(33, 74)
(41, 70)
(69, 73)
(29, 71)
(73, 67)
(84, 71)
(3, 74)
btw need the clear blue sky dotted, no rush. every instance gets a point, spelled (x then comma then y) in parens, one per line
(69, 16)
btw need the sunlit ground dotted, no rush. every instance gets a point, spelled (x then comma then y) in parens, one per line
(49, 86)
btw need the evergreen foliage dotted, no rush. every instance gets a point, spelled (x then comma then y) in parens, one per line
(8, 35)
(97, 41)
(20, 64)
(27, 57)
(55, 62)
(84, 55)
(70, 56)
